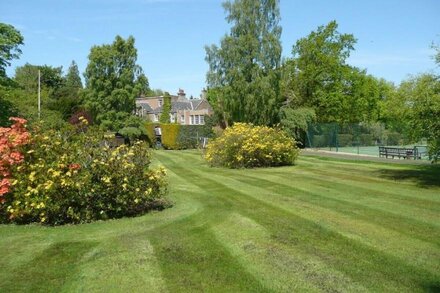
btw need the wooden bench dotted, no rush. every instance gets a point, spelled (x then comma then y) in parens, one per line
(405, 153)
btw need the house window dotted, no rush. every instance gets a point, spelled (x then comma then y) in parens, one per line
(191, 119)
(197, 119)
(202, 119)
(172, 118)
(160, 102)
(182, 118)
(156, 117)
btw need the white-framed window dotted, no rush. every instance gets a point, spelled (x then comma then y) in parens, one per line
(202, 119)
(172, 118)
(160, 102)
(191, 119)
(197, 120)
(156, 117)
(182, 118)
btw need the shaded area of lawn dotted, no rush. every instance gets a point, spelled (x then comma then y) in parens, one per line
(322, 225)
(50, 269)
(424, 176)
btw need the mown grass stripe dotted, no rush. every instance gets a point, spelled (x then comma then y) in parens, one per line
(347, 201)
(373, 234)
(339, 251)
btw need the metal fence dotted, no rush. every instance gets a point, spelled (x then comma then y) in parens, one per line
(356, 138)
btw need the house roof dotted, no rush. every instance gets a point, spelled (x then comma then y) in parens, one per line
(195, 103)
(145, 106)
(176, 104)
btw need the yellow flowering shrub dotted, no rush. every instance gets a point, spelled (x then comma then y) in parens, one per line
(247, 146)
(71, 176)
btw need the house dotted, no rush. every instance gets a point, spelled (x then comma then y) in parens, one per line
(183, 110)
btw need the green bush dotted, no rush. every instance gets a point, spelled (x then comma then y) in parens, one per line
(247, 146)
(69, 176)
(170, 133)
(178, 137)
(394, 138)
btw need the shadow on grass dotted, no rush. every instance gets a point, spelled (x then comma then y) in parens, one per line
(50, 270)
(435, 288)
(424, 176)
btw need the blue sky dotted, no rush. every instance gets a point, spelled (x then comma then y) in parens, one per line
(394, 36)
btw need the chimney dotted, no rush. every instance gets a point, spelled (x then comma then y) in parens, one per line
(181, 93)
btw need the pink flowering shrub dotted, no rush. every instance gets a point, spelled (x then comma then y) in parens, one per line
(69, 176)
(11, 140)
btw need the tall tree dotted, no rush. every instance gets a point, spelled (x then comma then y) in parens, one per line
(27, 77)
(318, 73)
(113, 81)
(10, 42)
(66, 98)
(24, 98)
(72, 78)
(244, 71)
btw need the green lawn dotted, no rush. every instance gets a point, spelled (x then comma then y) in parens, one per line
(322, 225)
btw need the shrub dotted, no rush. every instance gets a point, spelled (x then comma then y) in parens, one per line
(11, 139)
(246, 146)
(394, 138)
(69, 176)
(177, 137)
(170, 134)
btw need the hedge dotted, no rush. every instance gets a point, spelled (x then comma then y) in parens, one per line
(177, 137)
(170, 134)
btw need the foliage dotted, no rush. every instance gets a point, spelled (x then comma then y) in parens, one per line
(166, 109)
(296, 121)
(69, 176)
(318, 77)
(247, 146)
(424, 111)
(7, 109)
(133, 128)
(10, 42)
(78, 118)
(179, 137)
(73, 79)
(244, 71)
(170, 134)
(150, 134)
(66, 99)
(11, 139)
(25, 105)
(113, 81)
(27, 78)
(189, 134)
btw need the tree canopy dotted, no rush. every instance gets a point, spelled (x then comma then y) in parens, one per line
(243, 71)
(113, 81)
(318, 76)
(10, 42)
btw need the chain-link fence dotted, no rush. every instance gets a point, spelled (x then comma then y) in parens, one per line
(356, 138)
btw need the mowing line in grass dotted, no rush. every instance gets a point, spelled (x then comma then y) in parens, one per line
(348, 251)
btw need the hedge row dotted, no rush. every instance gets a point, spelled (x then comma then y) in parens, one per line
(178, 137)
